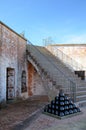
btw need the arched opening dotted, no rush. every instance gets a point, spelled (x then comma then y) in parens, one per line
(23, 82)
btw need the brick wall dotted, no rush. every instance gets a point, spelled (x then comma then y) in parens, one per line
(35, 84)
(12, 55)
(0, 61)
(76, 52)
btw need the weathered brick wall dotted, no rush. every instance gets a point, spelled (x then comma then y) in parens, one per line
(0, 61)
(76, 52)
(35, 84)
(22, 64)
(13, 56)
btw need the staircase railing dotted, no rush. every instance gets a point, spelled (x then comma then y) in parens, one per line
(72, 85)
(70, 62)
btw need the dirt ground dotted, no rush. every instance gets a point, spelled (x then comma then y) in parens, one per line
(15, 113)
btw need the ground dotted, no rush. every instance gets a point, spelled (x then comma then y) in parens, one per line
(44, 122)
(14, 113)
(27, 115)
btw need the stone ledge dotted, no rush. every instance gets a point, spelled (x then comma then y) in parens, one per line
(58, 117)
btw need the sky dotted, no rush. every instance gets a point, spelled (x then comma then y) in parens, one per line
(64, 21)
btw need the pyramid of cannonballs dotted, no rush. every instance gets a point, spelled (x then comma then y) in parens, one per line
(61, 106)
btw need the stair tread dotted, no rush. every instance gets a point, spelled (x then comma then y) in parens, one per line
(81, 91)
(81, 88)
(81, 96)
(81, 101)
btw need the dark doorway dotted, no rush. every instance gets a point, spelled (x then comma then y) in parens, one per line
(10, 83)
(81, 74)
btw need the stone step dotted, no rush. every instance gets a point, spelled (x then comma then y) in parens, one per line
(80, 98)
(71, 74)
(81, 89)
(55, 60)
(80, 93)
(81, 103)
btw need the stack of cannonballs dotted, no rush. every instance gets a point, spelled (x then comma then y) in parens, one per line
(61, 106)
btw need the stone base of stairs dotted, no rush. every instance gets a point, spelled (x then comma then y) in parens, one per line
(43, 98)
(81, 103)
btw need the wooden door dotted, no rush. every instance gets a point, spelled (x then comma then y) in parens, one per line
(10, 83)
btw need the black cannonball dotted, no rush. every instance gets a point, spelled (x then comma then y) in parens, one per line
(70, 101)
(66, 98)
(66, 112)
(61, 114)
(61, 98)
(66, 102)
(53, 106)
(74, 106)
(49, 110)
(70, 111)
(56, 112)
(75, 110)
(49, 105)
(53, 111)
(61, 103)
(70, 106)
(78, 110)
(66, 107)
(61, 94)
(52, 102)
(56, 98)
(57, 102)
(61, 108)
(56, 107)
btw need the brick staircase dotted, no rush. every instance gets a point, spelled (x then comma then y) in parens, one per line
(53, 69)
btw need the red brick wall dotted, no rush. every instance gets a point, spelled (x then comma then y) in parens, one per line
(35, 85)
